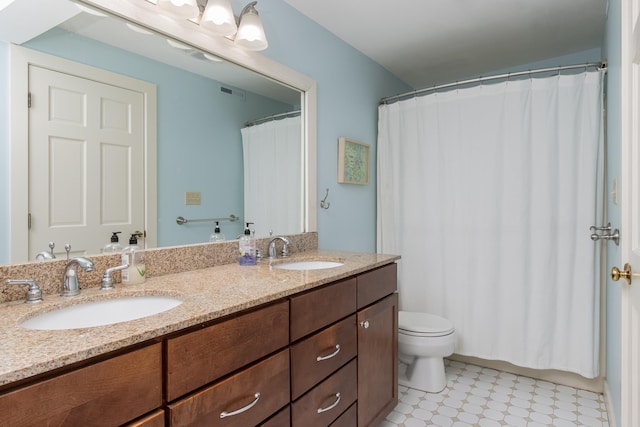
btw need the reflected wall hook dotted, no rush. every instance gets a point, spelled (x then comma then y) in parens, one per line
(323, 203)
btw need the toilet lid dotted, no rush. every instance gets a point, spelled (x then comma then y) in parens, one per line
(423, 323)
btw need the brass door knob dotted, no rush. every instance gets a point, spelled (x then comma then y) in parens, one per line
(616, 274)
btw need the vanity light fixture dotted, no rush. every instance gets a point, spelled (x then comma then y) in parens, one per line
(187, 9)
(250, 33)
(218, 18)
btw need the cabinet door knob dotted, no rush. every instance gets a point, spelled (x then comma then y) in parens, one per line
(365, 324)
(241, 410)
(330, 407)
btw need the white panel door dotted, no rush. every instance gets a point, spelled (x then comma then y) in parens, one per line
(630, 209)
(86, 162)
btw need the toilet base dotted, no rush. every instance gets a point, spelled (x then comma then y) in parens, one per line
(425, 374)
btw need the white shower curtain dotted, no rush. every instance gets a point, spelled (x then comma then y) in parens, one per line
(488, 194)
(273, 176)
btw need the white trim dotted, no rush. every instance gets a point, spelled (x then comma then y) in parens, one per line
(145, 14)
(608, 402)
(21, 59)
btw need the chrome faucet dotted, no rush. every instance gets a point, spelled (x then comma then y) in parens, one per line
(70, 286)
(272, 247)
(107, 279)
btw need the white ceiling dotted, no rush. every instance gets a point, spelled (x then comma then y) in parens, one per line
(424, 42)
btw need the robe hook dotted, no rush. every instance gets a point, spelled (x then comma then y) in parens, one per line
(323, 203)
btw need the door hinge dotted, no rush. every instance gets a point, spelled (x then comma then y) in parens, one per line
(29, 221)
(29, 100)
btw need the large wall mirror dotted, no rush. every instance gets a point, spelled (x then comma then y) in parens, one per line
(211, 99)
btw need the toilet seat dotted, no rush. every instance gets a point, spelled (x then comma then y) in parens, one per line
(423, 324)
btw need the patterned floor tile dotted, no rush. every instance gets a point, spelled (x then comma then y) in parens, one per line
(477, 396)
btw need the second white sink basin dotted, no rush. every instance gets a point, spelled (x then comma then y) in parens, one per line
(308, 265)
(100, 313)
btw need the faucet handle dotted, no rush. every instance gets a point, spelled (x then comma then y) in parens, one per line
(34, 294)
(107, 279)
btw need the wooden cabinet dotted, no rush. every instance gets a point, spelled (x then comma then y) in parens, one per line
(108, 393)
(325, 357)
(344, 339)
(377, 361)
(377, 344)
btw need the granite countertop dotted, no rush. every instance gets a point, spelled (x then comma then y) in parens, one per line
(208, 294)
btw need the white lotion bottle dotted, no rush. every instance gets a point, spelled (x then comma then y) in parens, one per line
(134, 256)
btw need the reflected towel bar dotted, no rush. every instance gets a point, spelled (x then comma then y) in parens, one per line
(182, 220)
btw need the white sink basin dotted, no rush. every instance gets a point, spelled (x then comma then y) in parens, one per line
(308, 265)
(100, 313)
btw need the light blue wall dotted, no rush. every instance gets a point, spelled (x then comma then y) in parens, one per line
(4, 153)
(612, 54)
(349, 88)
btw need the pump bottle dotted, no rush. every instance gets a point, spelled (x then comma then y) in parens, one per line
(247, 245)
(217, 236)
(134, 256)
(114, 246)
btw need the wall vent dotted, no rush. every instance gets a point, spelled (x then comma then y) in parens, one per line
(229, 91)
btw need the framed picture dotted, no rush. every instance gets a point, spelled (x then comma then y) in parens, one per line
(353, 162)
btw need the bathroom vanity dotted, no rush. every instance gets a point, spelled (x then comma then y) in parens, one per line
(248, 346)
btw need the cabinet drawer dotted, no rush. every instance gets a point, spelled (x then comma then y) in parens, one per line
(155, 419)
(215, 405)
(200, 357)
(376, 284)
(319, 308)
(307, 370)
(349, 418)
(321, 406)
(281, 419)
(107, 393)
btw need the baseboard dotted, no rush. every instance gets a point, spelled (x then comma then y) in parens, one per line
(611, 415)
(570, 379)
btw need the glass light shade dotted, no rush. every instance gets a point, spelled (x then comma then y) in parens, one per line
(250, 34)
(187, 9)
(218, 18)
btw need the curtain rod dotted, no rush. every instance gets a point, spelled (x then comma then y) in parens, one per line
(414, 93)
(269, 118)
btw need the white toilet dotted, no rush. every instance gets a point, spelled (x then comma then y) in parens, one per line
(423, 341)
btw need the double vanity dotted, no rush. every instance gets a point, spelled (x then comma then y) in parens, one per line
(313, 343)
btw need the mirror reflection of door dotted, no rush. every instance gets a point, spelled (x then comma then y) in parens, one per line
(86, 162)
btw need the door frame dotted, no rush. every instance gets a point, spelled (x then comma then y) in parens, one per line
(21, 58)
(629, 244)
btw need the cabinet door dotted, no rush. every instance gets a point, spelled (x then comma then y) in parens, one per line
(107, 393)
(377, 361)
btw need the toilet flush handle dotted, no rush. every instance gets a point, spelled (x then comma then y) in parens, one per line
(365, 324)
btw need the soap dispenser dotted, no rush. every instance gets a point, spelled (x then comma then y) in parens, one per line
(217, 236)
(134, 256)
(247, 245)
(114, 246)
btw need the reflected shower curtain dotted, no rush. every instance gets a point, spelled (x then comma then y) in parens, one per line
(488, 194)
(272, 155)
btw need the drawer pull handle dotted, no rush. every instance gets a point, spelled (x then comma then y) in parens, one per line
(365, 324)
(241, 410)
(330, 407)
(329, 356)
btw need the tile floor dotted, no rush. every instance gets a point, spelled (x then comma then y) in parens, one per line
(477, 396)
